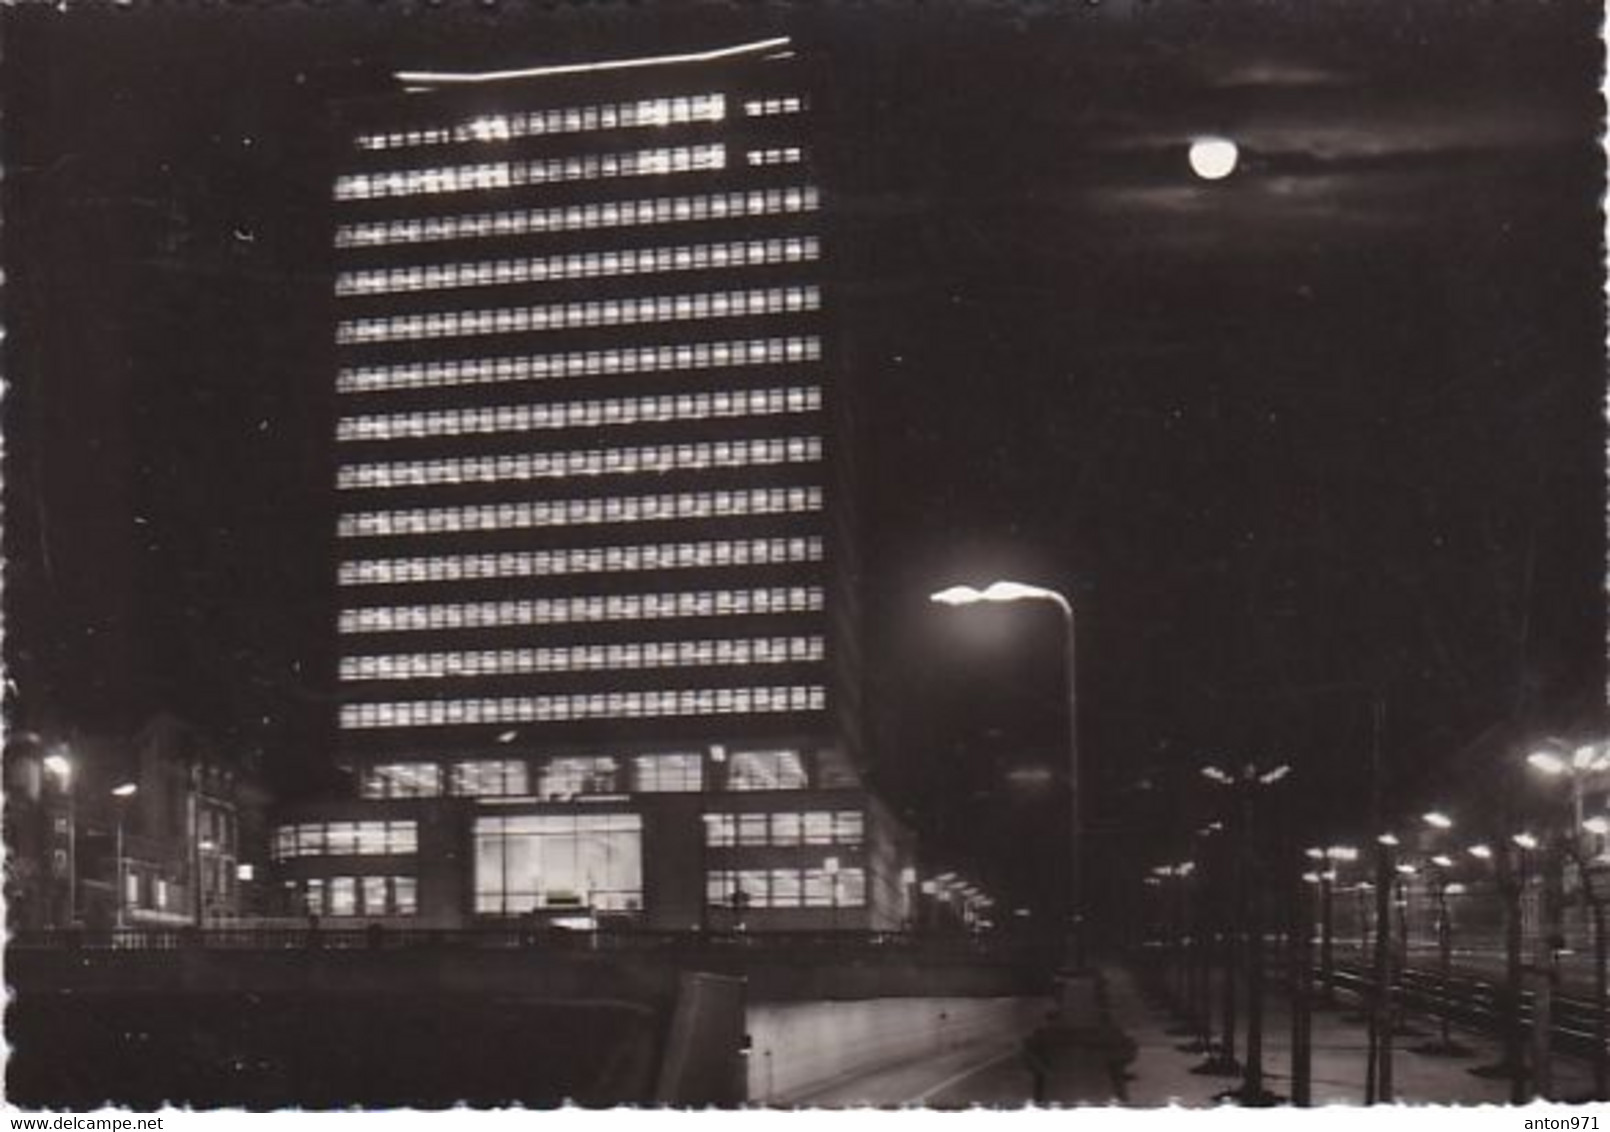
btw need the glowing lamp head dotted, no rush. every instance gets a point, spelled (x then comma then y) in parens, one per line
(957, 595)
(126, 790)
(1438, 820)
(1547, 762)
(1213, 159)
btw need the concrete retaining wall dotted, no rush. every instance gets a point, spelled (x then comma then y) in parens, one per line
(798, 1047)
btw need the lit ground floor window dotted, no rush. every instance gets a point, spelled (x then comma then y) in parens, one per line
(540, 861)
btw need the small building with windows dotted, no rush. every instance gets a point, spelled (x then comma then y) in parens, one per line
(597, 565)
(711, 840)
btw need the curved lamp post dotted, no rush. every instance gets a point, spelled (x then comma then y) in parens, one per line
(1002, 592)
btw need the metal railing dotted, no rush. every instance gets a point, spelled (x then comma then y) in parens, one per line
(282, 937)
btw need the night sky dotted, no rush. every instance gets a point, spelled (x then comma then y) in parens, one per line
(1326, 434)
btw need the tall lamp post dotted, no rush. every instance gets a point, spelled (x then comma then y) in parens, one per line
(121, 795)
(1599, 826)
(1436, 875)
(1017, 591)
(1246, 783)
(60, 767)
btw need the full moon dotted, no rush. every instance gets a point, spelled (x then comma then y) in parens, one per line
(1213, 159)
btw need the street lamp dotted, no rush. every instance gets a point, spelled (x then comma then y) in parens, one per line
(1437, 880)
(1002, 592)
(1332, 855)
(1246, 782)
(61, 768)
(122, 794)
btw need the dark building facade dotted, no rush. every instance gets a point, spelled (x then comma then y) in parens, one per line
(596, 519)
(153, 830)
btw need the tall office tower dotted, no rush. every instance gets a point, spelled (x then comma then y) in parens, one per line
(596, 534)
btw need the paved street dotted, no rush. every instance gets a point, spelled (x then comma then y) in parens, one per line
(991, 1073)
(1162, 1073)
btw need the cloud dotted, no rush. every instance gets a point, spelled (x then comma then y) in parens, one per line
(1279, 73)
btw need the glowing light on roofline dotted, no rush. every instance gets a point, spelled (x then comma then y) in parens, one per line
(456, 77)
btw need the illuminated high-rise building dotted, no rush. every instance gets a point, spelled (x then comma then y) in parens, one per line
(597, 575)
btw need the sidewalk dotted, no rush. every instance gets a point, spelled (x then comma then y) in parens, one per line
(1162, 1073)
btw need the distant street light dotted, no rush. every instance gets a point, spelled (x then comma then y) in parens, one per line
(1438, 820)
(1001, 592)
(61, 767)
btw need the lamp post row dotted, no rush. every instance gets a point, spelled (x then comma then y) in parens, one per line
(1508, 857)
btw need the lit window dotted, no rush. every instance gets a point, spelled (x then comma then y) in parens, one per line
(405, 895)
(401, 780)
(753, 889)
(819, 889)
(817, 828)
(766, 770)
(753, 829)
(568, 777)
(313, 896)
(787, 889)
(720, 830)
(577, 860)
(786, 829)
(669, 773)
(343, 896)
(490, 778)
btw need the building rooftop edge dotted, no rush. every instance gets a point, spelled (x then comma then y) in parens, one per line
(454, 78)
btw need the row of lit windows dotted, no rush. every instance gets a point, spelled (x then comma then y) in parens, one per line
(582, 414)
(558, 779)
(584, 658)
(658, 459)
(543, 171)
(580, 610)
(346, 839)
(355, 896)
(597, 705)
(570, 776)
(579, 363)
(629, 311)
(578, 265)
(580, 217)
(763, 107)
(785, 155)
(581, 560)
(528, 514)
(785, 888)
(813, 827)
(566, 120)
